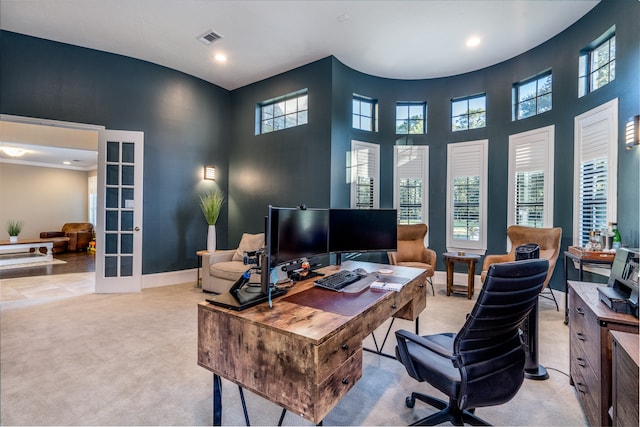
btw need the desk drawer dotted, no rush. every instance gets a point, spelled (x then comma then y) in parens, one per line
(588, 392)
(336, 350)
(585, 332)
(337, 385)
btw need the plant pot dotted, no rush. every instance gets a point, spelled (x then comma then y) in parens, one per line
(13, 239)
(211, 239)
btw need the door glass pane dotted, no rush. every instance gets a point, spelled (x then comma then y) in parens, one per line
(127, 244)
(127, 152)
(112, 175)
(111, 201)
(126, 221)
(126, 266)
(113, 152)
(111, 221)
(111, 244)
(110, 266)
(127, 175)
(127, 198)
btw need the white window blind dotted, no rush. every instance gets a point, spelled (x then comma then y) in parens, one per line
(530, 201)
(595, 170)
(411, 183)
(365, 172)
(466, 195)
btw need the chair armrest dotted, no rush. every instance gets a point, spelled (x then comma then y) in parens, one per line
(432, 258)
(393, 258)
(429, 345)
(495, 259)
(49, 234)
(218, 256)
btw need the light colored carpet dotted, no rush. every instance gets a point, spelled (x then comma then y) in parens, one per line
(130, 359)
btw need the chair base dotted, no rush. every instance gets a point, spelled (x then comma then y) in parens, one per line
(449, 412)
(544, 294)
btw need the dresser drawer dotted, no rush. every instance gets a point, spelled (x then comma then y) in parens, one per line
(585, 332)
(337, 350)
(588, 392)
(338, 384)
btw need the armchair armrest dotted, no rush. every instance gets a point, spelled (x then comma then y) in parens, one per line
(217, 256)
(432, 258)
(50, 234)
(495, 259)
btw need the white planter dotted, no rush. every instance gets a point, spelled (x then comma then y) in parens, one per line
(211, 239)
(13, 239)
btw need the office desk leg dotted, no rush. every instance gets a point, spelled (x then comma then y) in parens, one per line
(217, 400)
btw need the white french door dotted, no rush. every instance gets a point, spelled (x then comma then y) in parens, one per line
(119, 219)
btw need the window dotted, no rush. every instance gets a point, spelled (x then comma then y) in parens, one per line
(531, 178)
(410, 118)
(365, 172)
(597, 63)
(595, 171)
(469, 113)
(365, 113)
(532, 96)
(411, 183)
(467, 195)
(283, 112)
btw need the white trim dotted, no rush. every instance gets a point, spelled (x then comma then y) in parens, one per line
(545, 137)
(481, 150)
(373, 150)
(169, 278)
(607, 112)
(49, 122)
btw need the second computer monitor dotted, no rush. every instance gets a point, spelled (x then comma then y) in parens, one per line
(363, 230)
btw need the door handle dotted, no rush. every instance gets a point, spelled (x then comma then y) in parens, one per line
(136, 229)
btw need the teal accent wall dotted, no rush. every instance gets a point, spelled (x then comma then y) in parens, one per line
(189, 122)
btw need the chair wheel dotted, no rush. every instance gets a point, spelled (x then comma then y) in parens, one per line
(410, 402)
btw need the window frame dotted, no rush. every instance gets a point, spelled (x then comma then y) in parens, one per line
(539, 143)
(459, 154)
(372, 151)
(468, 114)
(585, 69)
(516, 95)
(601, 120)
(410, 104)
(374, 112)
(284, 99)
(412, 170)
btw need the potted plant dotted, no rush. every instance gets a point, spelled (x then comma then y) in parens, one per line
(211, 204)
(14, 228)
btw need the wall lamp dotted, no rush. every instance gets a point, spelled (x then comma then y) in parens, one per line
(632, 132)
(210, 173)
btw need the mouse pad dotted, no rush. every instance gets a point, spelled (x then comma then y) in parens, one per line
(346, 304)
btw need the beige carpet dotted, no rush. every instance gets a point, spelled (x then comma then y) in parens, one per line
(130, 359)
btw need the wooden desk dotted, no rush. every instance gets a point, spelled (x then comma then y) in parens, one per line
(305, 353)
(590, 321)
(469, 259)
(7, 247)
(625, 378)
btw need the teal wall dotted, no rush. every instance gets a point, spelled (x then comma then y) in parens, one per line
(189, 122)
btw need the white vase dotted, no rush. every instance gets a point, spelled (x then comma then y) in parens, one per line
(13, 239)
(211, 239)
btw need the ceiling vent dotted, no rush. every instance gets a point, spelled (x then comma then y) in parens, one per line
(209, 37)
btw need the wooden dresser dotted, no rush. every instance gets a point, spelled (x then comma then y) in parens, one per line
(590, 322)
(625, 378)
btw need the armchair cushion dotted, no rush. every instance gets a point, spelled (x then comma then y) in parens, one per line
(248, 243)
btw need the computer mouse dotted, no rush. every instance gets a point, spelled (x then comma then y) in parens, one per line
(361, 271)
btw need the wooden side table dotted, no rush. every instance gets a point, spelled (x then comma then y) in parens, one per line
(469, 259)
(200, 254)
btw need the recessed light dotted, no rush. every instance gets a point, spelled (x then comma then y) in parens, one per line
(66, 163)
(220, 57)
(473, 41)
(13, 151)
(343, 18)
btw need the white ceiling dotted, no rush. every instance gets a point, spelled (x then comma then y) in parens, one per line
(395, 39)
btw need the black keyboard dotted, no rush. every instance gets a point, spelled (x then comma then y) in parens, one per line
(337, 281)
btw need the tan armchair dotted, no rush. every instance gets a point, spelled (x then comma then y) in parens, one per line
(412, 252)
(221, 269)
(547, 238)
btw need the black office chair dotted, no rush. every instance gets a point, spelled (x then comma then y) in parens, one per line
(482, 365)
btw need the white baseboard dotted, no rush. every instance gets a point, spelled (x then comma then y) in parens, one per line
(169, 278)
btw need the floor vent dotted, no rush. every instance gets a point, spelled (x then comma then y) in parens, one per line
(209, 37)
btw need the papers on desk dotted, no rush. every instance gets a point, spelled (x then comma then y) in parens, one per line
(387, 286)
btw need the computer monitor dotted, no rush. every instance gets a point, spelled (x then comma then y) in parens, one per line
(296, 233)
(363, 230)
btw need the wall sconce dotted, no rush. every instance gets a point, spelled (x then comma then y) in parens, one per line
(210, 173)
(632, 132)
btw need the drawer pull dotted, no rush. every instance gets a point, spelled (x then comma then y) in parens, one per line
(345, 346)
(345, 381)
(580, 336)
(580, 388)
(394, 306)
(581, 362)
(580, 310)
